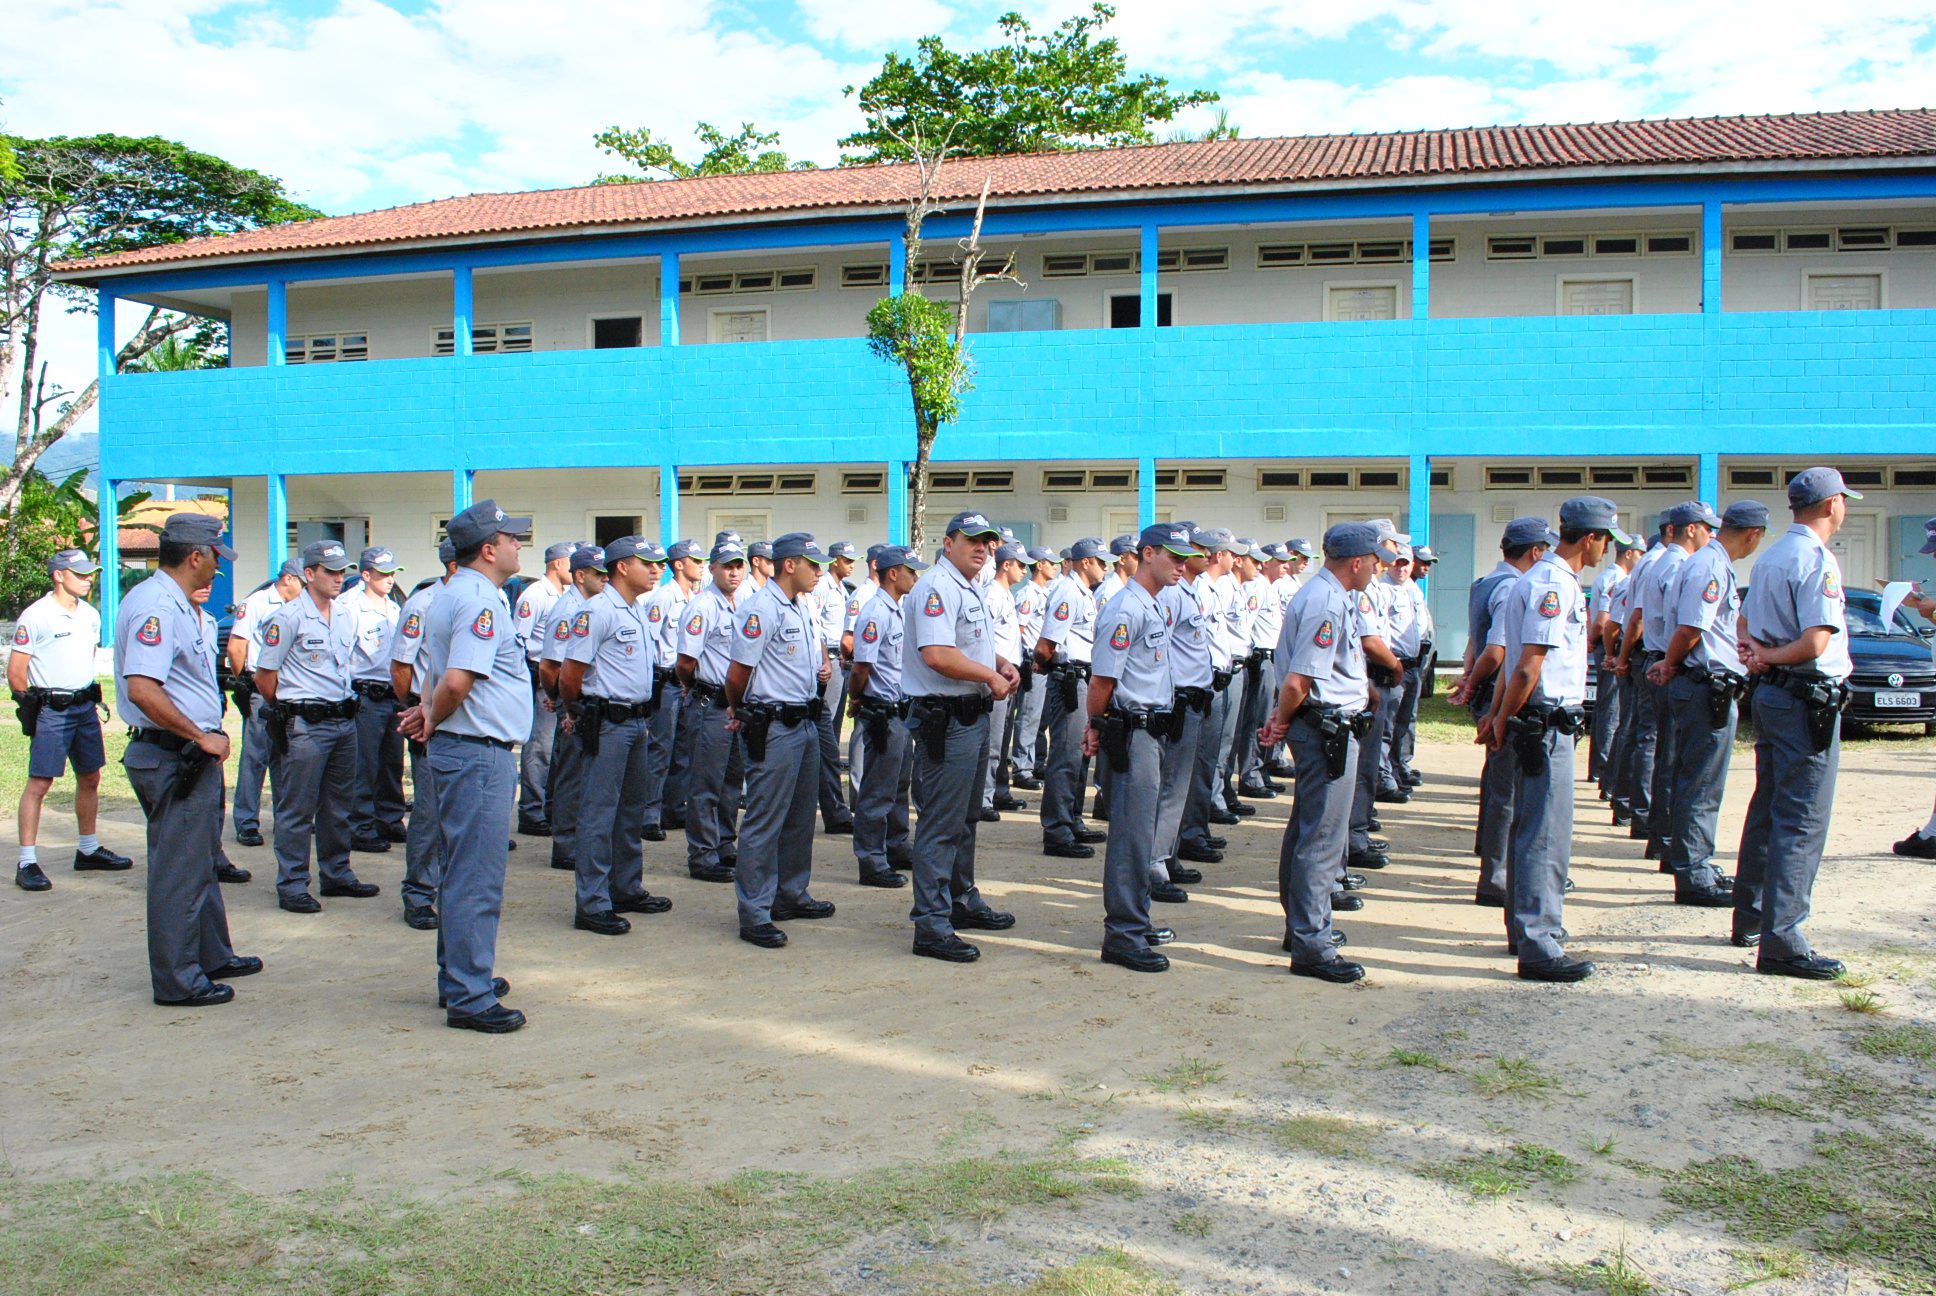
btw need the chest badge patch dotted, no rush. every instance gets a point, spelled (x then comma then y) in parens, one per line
(1712, 594)
(933, 606)
(150, 632)
(752, 627)
(412, 625)
(1120, 640)
(581, 625)
(270, 637)
(871, 634)
(1549, 603)
(485, 626)
(695, 625)
(1326, 636)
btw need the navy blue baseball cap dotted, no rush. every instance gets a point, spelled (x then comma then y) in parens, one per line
(197, 529)
(588, 556)
(1745, 515)
(74, 560)
(842, 549)
(1526, 531)
(1088, 547)
(1690, 512)
(898, 556)
(327, 554)
(727, 551)
(1594, 513)
(974, 525)
(634, 547)
(1123, 545)
(797, 544)
(446, 554)
(1816, 485)
(1351, 540)
(1042, 554)
(1011, 552)
(482, 522)
(560, 550)
(760, 549)
(684, 549)
(290, 567)
(1300, 547)
(378, 559)
(1174, 536)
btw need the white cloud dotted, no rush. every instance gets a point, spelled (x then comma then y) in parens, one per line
(874, 24)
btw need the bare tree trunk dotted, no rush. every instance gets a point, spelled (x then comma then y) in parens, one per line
(918, 484)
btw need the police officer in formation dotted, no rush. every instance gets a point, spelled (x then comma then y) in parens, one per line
(829, 602)
(423, 867)
(304, 675)
(1386, 674)
(1061, 665)
(1411, 642)
(884, 777)
(716, 770)
(953, 679)
(780, 665)
(51, 675)
(534, 761)
(608, 683)
(564, 800)
(376, 815)
(1031, 599)
(1692, 527)
(665, 612)
(245, 653)
(476, 706)
(1634, 788)
(164, 679)
(1613, 701)
(1002, 575)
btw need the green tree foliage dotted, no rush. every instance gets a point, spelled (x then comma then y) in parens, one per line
(752, 150)
(48, 516)
(1033, 93)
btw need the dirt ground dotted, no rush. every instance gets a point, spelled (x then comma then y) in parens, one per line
(1288, 1136)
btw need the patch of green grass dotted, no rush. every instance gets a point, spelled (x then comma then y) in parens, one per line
(1208, 1120)
(1106, 1273)
(1768, 1264)
(1495, 1174)
(1439, 720)
(1419, 1058)
(1192, 1224)
(194, 1233)
(1855, 980)
(1601, 1146)
(116, 792)
(1903, 1043)
(1329, 1136)
(1190, 1074)
(1780, 1104)
(1861, 1001)
(1615, 1274)
(1746, 1052)
(1300, 1060)
(1514, 1076)
(1864, 1200)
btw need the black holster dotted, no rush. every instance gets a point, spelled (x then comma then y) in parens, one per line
(190, 763)
(1527, 734)
(417, 749)
(873, 716)
(1723, 687)
(275, 717)
(29, 704)
(1383, 676)
(1066, 680)
(243, 693)
(1219, 680)
(1027, 672)
(1336, 731)
(587, 720)
(1825, 702)
(1112, 729)
(755, 719)
(930, 727)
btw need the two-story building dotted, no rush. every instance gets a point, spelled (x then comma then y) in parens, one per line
(1449, 327)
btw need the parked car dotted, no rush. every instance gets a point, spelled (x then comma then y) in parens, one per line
(1895, 668)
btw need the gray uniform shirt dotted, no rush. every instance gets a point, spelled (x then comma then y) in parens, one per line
(1657, 599)
(878, 635)
(1133, 649)
(557, 627)
(534, 612)
(707, 635)
(1320, 642)
(375, 623)
(1481, 604)
(947, 610)
(470, 629)
(1707, 598)
(1547, 606)
(253, 618)
(1070, 620)
(159, 635)
(310, 656)
(1796, 585)
(1189, 636)
(780, 639)
(406, 646)
(610, 636)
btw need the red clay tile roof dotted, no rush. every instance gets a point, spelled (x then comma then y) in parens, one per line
(1487, 150)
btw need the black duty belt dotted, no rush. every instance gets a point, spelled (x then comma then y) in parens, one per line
(1196, 699)
(482, 741)
(795, 712)
(1155, 719)
(67, 699)
(374, 691)
(158, 738)
(1649, 656)
(615, 712)
(1563, 719)
(706, 693)
(1806, 686)
(1359, 722)
(1078, 669)
(872, 706)
(314, 712)
(964, 708)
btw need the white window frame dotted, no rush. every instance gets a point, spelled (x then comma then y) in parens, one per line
(714, 316)
(1398, 302)
(1560, 283)
(592, 322)
(500, 325)
(735, 518)
(336, 355)
(1176, 303)
(1847, 272)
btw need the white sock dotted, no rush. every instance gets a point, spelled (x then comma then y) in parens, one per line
(88, 844)
(1928, 830)
(28, 856)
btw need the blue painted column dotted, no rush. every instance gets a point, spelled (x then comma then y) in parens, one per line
(278, 323)
(1711, 479)
(278, 524)
(110, 549)
(105, 349)
(897, 506)
(897, 268)
(463, 310)
(460, 489)
(1419, 525)
(668, 504)
(1146, 490)
(1148, 313)
(668, 299)
(1711, 257)
(1421, 265)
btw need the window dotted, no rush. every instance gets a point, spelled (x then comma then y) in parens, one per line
(864, 276)
(738, 326)
(1616, 245)
(1504, 478)
(1596, 296)
(861, 483)
(1279, 478)
(615, 331)
(1614, 478)
(1807, 240)
(1442, 477)
(1753, 241)
(1670, 245)
(1330, 479)
(1750, 478)
(1112, 263)
(1277, 256)
(1915, 238)
(486, 339)
(1202, 479)
(609, 527)
(1562, 477)
(1868, 239)
(1842, 292)
(1522, 247)
(1670, 475)
(1920, 478)
(1064, 479)
(1057, 265)
(325, 348)
(1028, 315)
(1378, 479)
(1515, 247)
(1570, 245)
(1126, 310)
(1354, 303)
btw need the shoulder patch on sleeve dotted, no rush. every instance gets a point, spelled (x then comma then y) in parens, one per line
(485, 626)
(933, 606)
(20, 635)
(524, 609)
(1364, 602)
(1120, 639)
(412, 626)
(1831, 585)
(655, 613)
(1062, 610)
(150, 632)
(697, 623)
(1549, 603)
(752, 627)
(1327, 634)
(1712, 594)
(872, 633)
(581, 625)
(271, 636)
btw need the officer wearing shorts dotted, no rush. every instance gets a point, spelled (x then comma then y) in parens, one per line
(717, 770)
(952, 677)
(1131, 705)
(773, 692)
(879, 709)
(609, 683)
(164, 678)
(51, 673)
(476, 708)
(376, 815)
(423, 865)
(304, 676)
(1797, 650)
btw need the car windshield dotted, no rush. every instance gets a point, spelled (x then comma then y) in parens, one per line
(1865, 617)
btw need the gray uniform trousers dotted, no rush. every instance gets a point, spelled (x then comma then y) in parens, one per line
(611, 820)
(881, 798)
(315, 783)
(1224, 778)
(776, 840)
(1609, 728)
(833, 796)
(1596, 744)
(1132, 843)
(1619, 774)
(1173, 793)
(564, 798)
(1369, 749)
(995, 779)
(1781, 843)
(423, 860)
(534, 762)
(253, 765)
(1660, 807)
(379, 769)
(1497, 784)
(944, 836)
(1203, 796)
(1259, 693)
(665, 778)
(1028, 728)
(475, 784)
(716, 777)
(1062, 783)
(1314, 842)
(188, 925)
(1701, 754)
(1542, 851)
(1639, 767)
(1396, 762)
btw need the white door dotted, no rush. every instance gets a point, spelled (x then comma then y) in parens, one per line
(1844, 292)
(1345, 304)
(739, 326)
(1854, 546)
(1596, 296)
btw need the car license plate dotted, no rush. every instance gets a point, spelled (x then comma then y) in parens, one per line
(1911, 700)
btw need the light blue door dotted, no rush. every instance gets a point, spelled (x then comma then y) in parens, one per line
(1451, 580)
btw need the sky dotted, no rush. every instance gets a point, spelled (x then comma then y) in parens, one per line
(361, 104)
